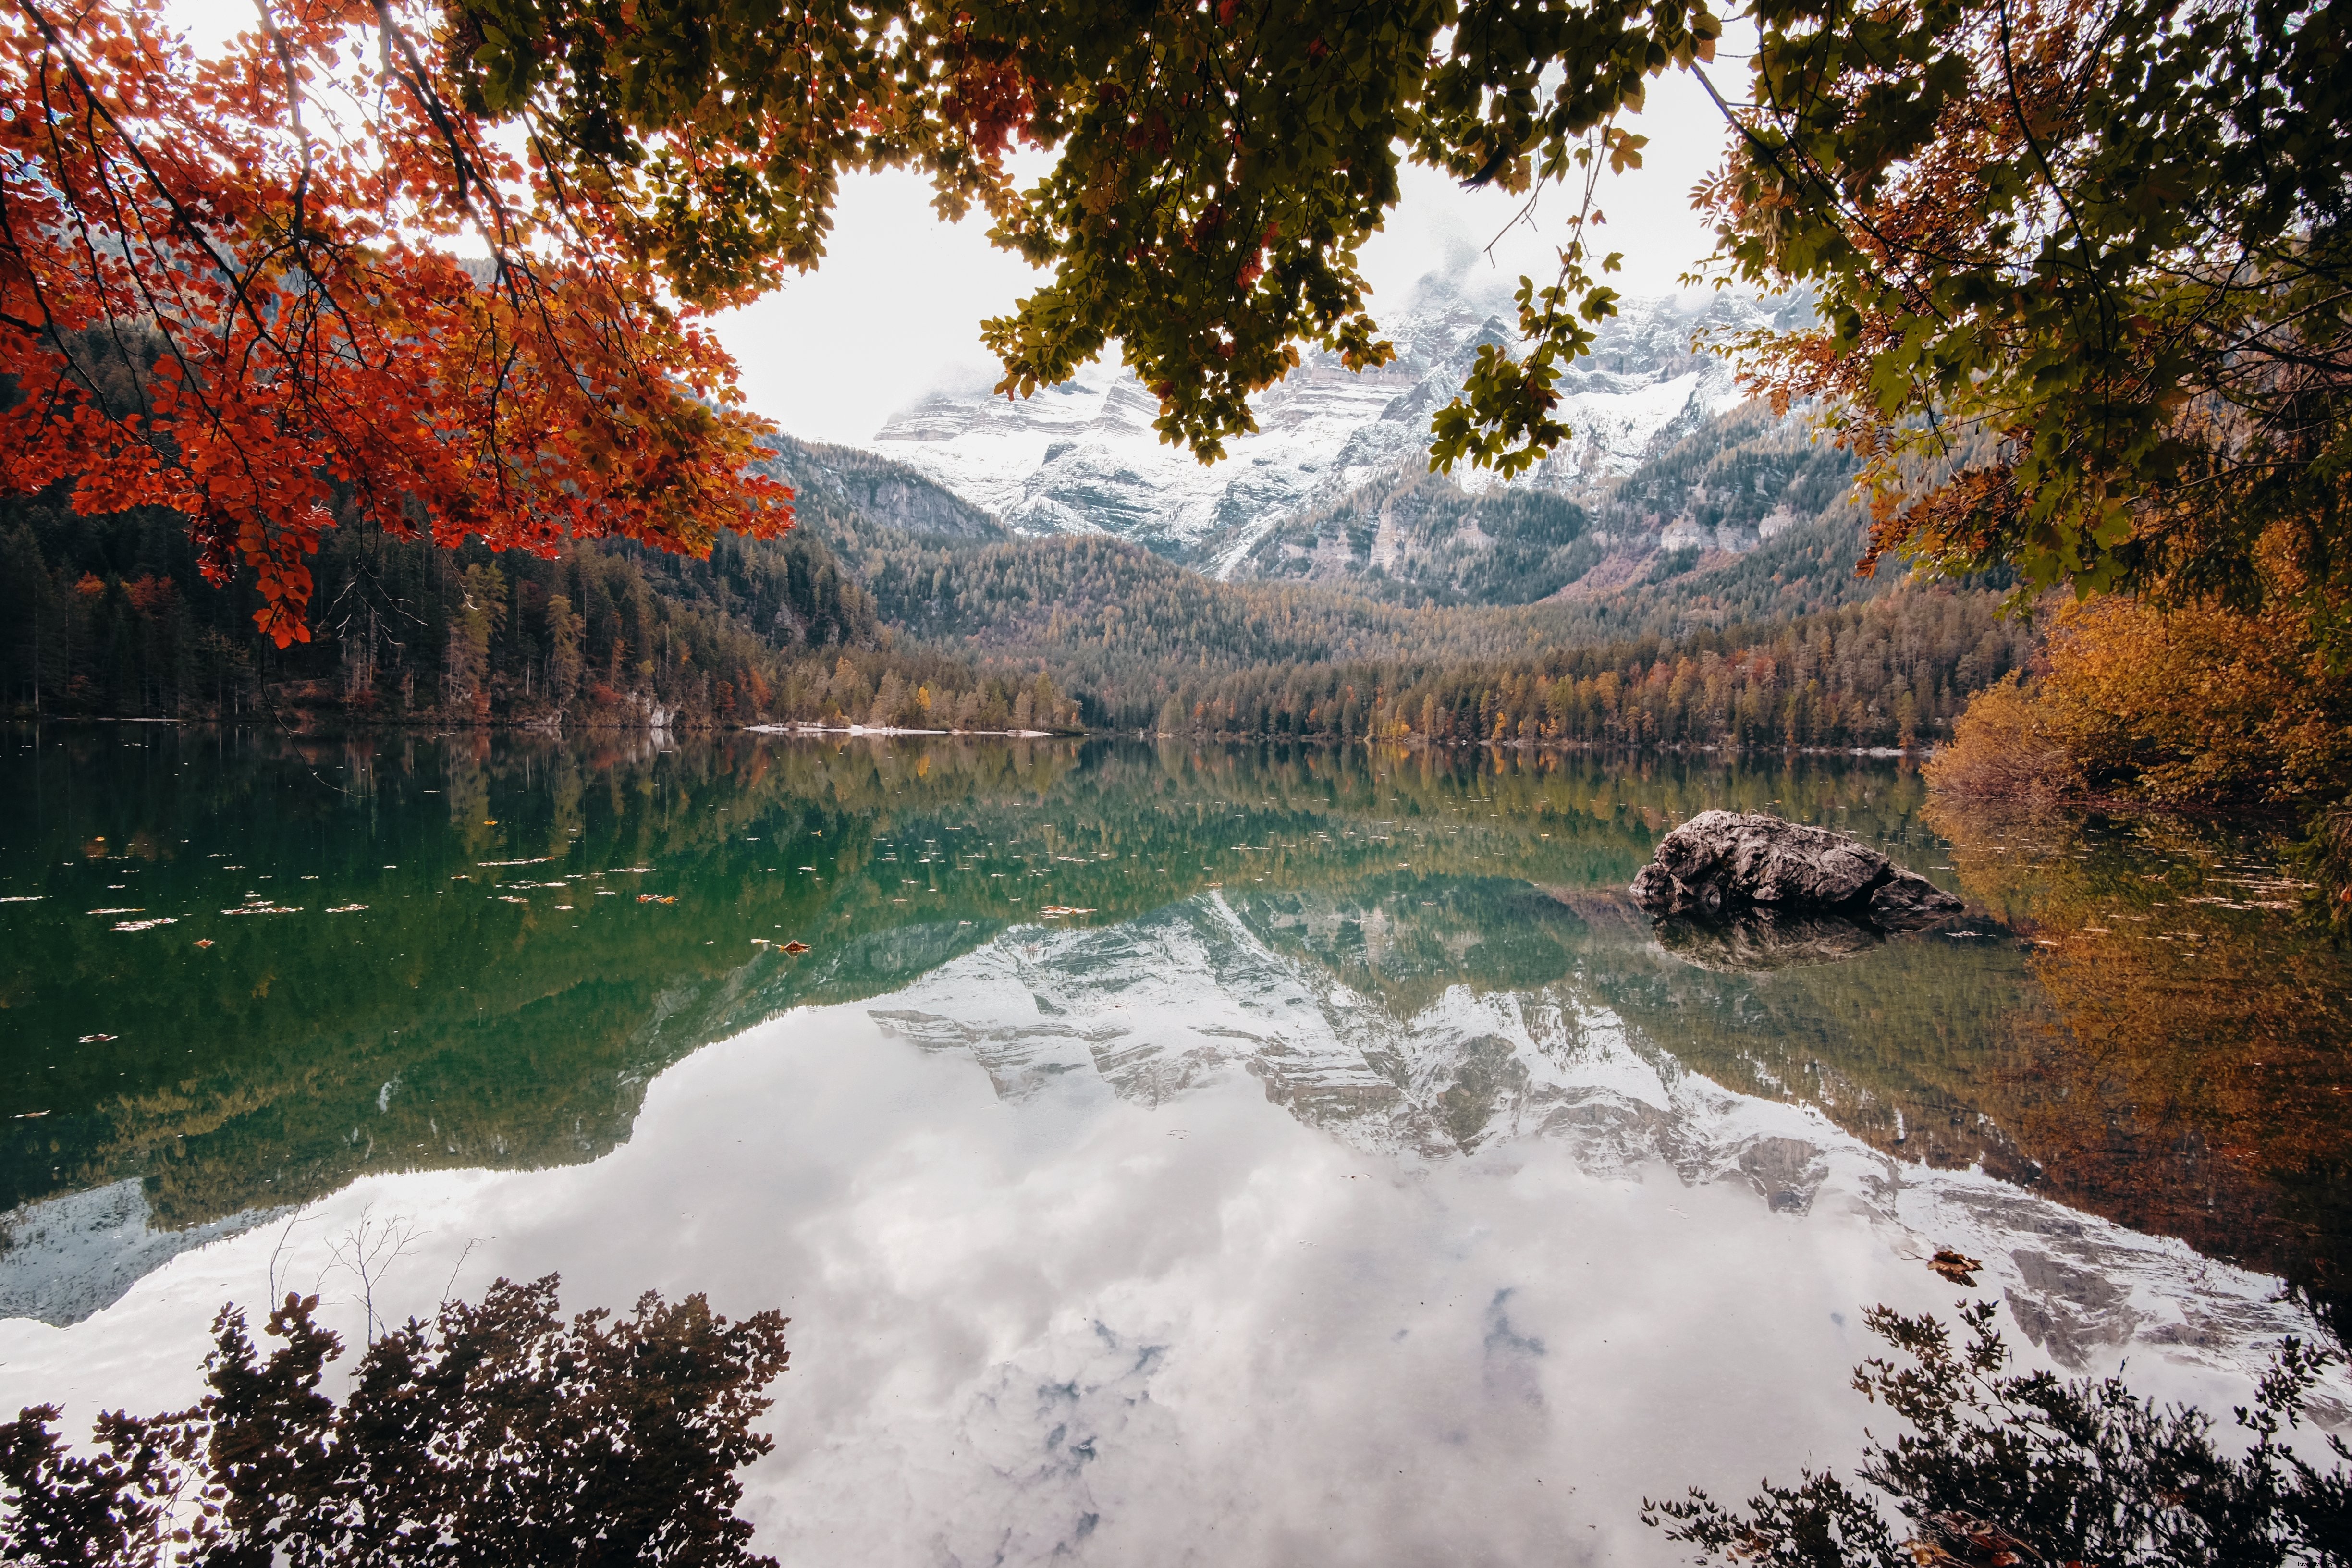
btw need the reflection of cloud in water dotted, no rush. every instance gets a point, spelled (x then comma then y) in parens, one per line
(1197, 1268)
(1173, 999)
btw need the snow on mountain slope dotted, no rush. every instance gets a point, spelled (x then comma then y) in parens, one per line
(1083, 458)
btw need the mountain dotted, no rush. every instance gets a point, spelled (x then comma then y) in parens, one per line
(988, 554)
(1329, 443)
(849, 497)
(1710, 511)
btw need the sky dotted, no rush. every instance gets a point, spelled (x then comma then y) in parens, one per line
(894, 313)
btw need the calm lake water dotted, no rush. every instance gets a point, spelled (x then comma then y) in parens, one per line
(1165, 1155)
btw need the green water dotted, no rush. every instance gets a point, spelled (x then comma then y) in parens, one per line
(399, 952)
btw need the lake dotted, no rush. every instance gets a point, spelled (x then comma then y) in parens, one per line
(1165, 1154)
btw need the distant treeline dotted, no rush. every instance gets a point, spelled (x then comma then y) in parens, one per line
(1895, 670)
(110, 615)
(1151, 645)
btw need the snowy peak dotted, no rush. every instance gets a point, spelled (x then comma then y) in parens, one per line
(1083, 458)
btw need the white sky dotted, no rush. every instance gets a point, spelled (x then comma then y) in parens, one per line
(894, 312)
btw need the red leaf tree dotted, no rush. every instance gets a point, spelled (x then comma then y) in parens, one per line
(231, 287)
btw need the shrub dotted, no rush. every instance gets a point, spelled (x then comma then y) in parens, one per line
(2005, 747)
(2004, 1470)
(498, 1434)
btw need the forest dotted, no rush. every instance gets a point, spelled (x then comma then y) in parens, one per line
(1893, 671)
(111, 617)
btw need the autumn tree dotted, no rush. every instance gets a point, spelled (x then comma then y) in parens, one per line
(2083, 283)
(2079, 266)
(229, 287)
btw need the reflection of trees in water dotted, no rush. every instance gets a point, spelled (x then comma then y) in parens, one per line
(462, 1031)
(2190, 1075)
(2000, 1469)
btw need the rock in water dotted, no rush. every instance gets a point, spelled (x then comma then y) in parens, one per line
(1727, 860)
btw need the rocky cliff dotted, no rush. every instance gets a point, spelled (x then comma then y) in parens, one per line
(1669, 463)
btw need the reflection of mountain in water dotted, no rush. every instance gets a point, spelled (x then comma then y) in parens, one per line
(499, 997)
(466, 1018)
(1158, 1005)
(77, 1255)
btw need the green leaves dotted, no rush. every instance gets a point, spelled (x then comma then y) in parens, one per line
(2088, 251)
(1219, 167)
(2049, 252)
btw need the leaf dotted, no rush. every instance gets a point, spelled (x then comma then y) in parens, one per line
(1955, 1267)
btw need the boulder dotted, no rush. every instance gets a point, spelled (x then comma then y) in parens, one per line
(1722, 862)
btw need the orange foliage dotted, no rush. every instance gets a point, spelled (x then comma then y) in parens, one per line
(2197, 704)
(2193, 705)
(226, 289)
(2004, 746)
(2189, 1075)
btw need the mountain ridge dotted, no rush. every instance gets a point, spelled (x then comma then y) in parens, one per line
(1672, 475)
(1083, 458)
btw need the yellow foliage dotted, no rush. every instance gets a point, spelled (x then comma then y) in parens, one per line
(2195, 705)
(2183, 706)
(2005, 747)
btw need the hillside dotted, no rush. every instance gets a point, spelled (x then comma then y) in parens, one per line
(1742, 500)
(1334, 485)
(1362, 598)
(1680, 503)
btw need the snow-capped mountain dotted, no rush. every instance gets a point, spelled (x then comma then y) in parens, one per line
(70, 1256)
(1083, 458)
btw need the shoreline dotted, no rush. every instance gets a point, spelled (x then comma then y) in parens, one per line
(869, 732)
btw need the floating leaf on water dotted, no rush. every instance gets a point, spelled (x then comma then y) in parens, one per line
(1958, 1268)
